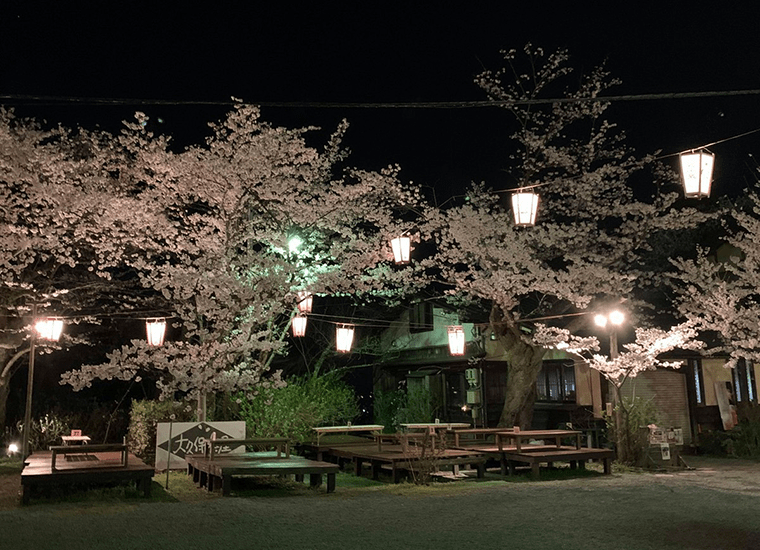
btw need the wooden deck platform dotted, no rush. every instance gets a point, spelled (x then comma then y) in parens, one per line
(219, 471)
(400, 461)
(84, 467)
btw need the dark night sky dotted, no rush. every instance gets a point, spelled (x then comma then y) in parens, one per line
(368, 52)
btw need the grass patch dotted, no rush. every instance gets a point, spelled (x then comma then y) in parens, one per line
(9, 466)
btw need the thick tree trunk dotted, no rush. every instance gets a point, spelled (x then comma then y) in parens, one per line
(524, 364)
(9, 364)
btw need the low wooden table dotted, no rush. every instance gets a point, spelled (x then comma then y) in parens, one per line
(79, 439)
(435, 426)
(68, 450)
(348, 428)
(519, 437)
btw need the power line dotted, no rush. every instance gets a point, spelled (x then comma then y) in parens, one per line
(105, 101)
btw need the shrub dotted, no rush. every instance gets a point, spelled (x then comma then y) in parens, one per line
(292, 411)
(393, 408)
(144, 418)
(46, 430)
(640, 413)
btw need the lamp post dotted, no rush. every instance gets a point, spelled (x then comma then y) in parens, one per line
(614, 319)
(47, 329)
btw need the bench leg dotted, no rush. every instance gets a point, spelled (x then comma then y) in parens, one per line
(481, 470)
(535, 470)
(573, 464)
(455, 469)
(357, 466)
(315, 480)
(26, 495)
(226, 485)
(299, 478)
(330, 483)
(202, 479)
(607, 466)
(375, 470)
(396, 473)
(209, 482)
(582, 464)
(146, 482)
(511, 467)
(504, 466)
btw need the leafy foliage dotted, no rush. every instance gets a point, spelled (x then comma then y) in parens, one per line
(293, 410)
(144, 418)
(632, 433)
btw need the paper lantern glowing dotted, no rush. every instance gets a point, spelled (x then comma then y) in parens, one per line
(304, 301)
(456, 340)
(525, 208)
(155, 329)
(344, 338)
(401, 249)
(298, 324)
(696, 172)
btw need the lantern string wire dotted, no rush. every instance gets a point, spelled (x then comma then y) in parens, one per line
(461, 104)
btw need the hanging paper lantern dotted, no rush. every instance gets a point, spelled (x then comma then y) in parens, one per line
(304, 301)
(344, 338)
(696, 171)
(298, 324)
(49, 329)
(456, 340)
(525, 208)
(155, 329)
(401, 249)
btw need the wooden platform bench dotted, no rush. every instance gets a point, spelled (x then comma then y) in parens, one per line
(576, 458)
(70, 450)
(398, 461)
(101, 467)
(280, 444)
(217, 472)
(474, 436)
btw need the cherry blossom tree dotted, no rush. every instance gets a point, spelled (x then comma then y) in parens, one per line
(246, 222)
(592, 242)
(68, 227)
(718, 290)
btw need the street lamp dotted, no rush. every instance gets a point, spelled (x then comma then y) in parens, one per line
(696, 172)
(46, 329)
(614, 318)
(524, 208)
(401, 247)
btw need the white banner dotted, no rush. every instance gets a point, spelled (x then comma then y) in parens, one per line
(188, 437)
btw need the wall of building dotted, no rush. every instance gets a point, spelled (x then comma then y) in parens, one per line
(666, 388)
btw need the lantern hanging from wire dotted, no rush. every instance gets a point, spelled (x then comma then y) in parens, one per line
(456, 339)
(525, 208)
(344, 338)
(49, 328)
(401, 249)
(156, 330)
(696, 172)
(298, 324)
(305, 300)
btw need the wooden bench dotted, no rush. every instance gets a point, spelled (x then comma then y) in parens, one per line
(475, 435)
(220, 470)
(103, 467)
(576, 457)
(281, 445)
(67, 450)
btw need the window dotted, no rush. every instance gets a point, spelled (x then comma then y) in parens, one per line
(745, 389)
(556, 382)
(421, 317)
(699, 384)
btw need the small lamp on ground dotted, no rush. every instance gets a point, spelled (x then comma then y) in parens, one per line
(696, 173)
(155, 330)
(456, 340)
(525, 208)
(298, 324)
(344, 338)
(402, 247)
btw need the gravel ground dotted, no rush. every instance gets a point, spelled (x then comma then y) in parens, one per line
(712, 507)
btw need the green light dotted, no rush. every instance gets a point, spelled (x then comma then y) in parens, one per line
(294, 243)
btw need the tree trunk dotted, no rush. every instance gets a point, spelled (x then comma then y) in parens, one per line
(524, 364)
(9, 364)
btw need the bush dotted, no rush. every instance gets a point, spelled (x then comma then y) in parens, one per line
(144, 418)
(292, 411)
(641, 413)
(393, 408)
(46, 430)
